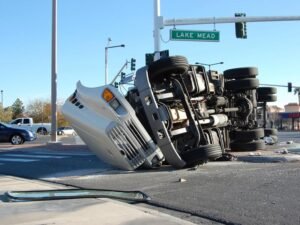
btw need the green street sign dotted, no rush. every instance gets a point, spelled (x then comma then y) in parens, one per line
(193, 35)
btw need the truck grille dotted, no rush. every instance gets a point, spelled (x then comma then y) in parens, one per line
(127, 146)
(139, 137)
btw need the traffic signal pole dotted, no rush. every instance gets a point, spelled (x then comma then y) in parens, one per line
(215, 20)
(157, 26)
(160, 23)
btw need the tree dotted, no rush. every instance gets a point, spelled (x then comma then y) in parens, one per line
(5, 114)
(40, 111)
(297, 91)
(17, 109)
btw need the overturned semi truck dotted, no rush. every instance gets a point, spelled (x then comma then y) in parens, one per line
(175, 113)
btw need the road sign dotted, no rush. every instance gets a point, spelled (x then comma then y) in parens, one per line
(193, 35)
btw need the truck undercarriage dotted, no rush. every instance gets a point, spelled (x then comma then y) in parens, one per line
(192, 115)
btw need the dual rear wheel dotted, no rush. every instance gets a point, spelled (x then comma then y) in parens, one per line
(247, 140)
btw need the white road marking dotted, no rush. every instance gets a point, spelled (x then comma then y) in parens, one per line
(17, 160)
(65, 153)
(36, 156)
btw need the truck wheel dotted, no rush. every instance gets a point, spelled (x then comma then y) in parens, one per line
(201, 154)
(246, 135)
(248, 146)
(240, 73)
(214, 152)
(42, 131)
(239, 85)
(167, 66)
(266, 98)
(16, 139)
(266, 90)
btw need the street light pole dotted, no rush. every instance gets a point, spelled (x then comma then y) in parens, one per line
(53, 74)
(106, 59)
(106, 64)
(2, 99)
(209, 65)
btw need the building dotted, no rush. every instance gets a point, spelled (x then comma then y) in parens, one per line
(290, 119)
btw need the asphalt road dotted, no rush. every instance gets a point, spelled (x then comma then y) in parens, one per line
(236, 193)
(216, 193)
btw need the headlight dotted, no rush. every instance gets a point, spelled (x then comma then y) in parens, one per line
(30, 134)
(114, 104)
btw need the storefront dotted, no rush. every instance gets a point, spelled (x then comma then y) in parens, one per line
(289, 120)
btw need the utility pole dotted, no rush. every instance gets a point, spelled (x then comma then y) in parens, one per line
(53, 74)
(2, 99)
(157, 26)
(106, 58)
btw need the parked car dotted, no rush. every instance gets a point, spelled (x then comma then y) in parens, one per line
(175, 112)
(28, 124)
(15, 136)
(66, 131)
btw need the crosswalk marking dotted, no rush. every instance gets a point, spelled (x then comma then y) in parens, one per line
(26, 158)
(17, 160)
(65, 153)
(35, 156)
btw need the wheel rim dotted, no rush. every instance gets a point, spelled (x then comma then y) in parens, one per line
(16, 140)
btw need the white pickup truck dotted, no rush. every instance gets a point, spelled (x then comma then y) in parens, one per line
(27, 123)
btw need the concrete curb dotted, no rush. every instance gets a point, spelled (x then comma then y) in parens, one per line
(74, 211)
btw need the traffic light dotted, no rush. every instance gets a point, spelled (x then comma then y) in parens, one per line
(164, 54)
(133, 61)
(240, 27)
(289, 87)
(123, 75)
(149, 58)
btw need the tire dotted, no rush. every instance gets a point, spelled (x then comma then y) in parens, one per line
(167, 66)
(239, 85)
(16, 139)
(201, 154)
(248, 146)
(241, 73)
(214, 152)
(266, 98)
(266, 90)
(271, 131)
(243, 136)
(42, 131)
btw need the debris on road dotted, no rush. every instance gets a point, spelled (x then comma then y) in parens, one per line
(254, 154)
(181, 180)
(282, 151)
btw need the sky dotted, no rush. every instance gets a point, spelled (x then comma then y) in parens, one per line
(84, 27)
